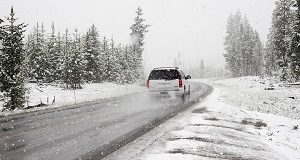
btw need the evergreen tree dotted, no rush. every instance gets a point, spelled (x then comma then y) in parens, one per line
(112, 63)
(295, 45)
(247, 48)
(92, 55)
(76, 66)
(45, 66)
(126, 65)
(138, 31)
(27, 46)
(106, 60)
(131, 60)
(53, 55)
(123, 68)
(37, 54)
(31, 54)
(270, 56)
(120, 60)
(281, 28)
(66, 68)
(12, 74)
(57, 61)
(233, 44)
(257, 61)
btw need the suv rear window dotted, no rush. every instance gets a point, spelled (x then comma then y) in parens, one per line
(164, 74)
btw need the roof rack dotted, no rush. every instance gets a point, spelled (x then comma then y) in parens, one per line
(166, 68)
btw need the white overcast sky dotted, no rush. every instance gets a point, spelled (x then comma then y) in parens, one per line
(195, 28)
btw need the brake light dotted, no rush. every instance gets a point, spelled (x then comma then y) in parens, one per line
(147, 83)
(180, 83)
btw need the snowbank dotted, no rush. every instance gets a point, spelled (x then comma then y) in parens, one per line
(54, 96)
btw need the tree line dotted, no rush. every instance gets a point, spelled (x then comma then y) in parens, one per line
(280, 56)
(76, 58)
(244, 49)
(71, 58)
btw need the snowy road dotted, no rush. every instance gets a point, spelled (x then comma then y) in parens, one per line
(90, 130)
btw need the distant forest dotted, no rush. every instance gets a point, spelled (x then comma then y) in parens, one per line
(75, 58)
(280, 56)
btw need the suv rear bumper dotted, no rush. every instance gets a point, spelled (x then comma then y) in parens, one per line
(165, 90)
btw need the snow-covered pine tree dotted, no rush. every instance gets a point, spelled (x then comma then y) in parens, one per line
(138, 31)
(76, 66)
(123, 65)
(12, 74)
(37, 54)
(281, 36)
(53, 56)
(131, 59)
(27, 46)
(246, 47)
(29, 54)
(58, 58)
(66, 68)
(126, 65)
(257, 61)
(112, 63)
(115, 53)
(92, 55)
(44, 61)
(295, 45)
(233, 44)
(105, 58)
(270, 64)
(119, 61)
(229, 47)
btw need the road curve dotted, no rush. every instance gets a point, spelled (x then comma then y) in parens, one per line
(90, 130)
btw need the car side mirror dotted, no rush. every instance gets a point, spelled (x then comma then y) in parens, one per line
(188, 77)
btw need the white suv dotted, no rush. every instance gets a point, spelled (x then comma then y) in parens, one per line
(168, 79)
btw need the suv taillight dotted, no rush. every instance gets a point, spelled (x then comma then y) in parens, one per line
(180, 83)
(147, 83)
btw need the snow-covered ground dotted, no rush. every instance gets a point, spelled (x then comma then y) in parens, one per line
(90, 92)
(253, 93)
(241, 119)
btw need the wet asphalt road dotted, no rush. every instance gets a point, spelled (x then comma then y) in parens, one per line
(90, 130)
